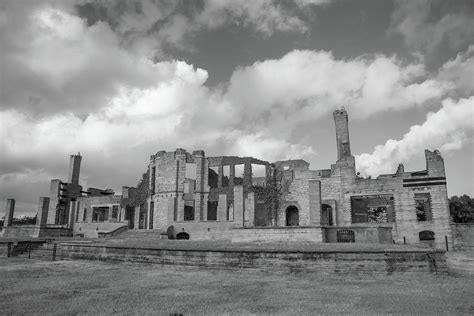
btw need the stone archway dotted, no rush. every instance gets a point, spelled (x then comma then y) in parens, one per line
(292, 216)
(326, 215)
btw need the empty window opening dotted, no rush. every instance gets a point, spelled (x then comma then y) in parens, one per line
(189, 211)
(258, 174)
(130, 216)
(153, 180)
(213, 177)
(191, 171)
(239, 175)
(225, 176)
(212, 210)
(426, 235)
(182, 236)
(84, 215)
(115, 209)
(142, 219)
(152, 211)
(326, 215)
(100, 214)
(292, 216)
(423, 207)
(373, 209)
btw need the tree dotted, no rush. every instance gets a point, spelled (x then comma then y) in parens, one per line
(461, 209)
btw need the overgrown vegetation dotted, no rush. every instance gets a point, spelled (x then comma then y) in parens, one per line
(461, 209)
(271, 195)
(25, 220)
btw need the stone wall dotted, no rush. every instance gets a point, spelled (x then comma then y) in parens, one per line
(325, 262)
(277, 234)
(33, 231)
(371, 235)
(463, 236)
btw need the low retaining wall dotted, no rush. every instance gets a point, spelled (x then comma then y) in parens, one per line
(362, 234)
(463, 236)
(277, 234)
(328, 262)
(33, 231)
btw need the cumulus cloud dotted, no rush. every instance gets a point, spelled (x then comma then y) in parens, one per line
(458, 72)
(149, 26)
(307, 85)
(434, 27)
(448, 129)
(70, 84)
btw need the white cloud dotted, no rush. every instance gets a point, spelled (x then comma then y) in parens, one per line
(448, 129)
(459, 73)
(306, 85)
(433, 26)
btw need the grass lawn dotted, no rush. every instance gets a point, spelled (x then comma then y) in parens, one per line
(92, 287)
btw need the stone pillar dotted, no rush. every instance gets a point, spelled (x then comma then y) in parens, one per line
(9, 212)
(249, 217)
(72, 214)
(239, 206)
(54, 200)
(314, 188)
(222, 208)
(220, 175)
(43, 207)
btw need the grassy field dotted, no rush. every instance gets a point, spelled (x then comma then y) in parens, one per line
(91, 287)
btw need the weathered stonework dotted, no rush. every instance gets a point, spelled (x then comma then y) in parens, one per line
(210, 197)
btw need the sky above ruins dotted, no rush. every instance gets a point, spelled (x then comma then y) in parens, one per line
(118, 81)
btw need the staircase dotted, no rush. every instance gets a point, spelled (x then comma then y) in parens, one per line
(139, 235)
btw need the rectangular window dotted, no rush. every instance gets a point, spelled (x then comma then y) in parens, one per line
(213, 176)
(423, 207)
(153, 180)
(225, 176)
(212, 210)
(84, 215)
(152, 210)
(115, 211)
(239, 174)
(258, 174)
(373, 209)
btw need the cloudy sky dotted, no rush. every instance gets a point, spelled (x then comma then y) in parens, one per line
(120, 80)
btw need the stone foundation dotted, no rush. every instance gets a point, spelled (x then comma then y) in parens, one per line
(326, 262)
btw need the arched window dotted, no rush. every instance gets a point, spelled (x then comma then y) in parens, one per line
(182, 236)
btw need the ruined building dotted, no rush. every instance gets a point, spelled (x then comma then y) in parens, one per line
(247, 199)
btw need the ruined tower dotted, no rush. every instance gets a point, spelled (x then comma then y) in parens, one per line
(342, 133)
(74, 168)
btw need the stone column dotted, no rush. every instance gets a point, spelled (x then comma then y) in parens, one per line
(314, 193)
(72, 213)
(9, 211)
(239, 206)
(43, 207)
(222, 208)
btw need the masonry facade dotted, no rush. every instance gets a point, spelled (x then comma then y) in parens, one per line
(245, 199)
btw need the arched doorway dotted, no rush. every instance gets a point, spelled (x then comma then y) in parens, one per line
(326, 215)
(292, 216)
